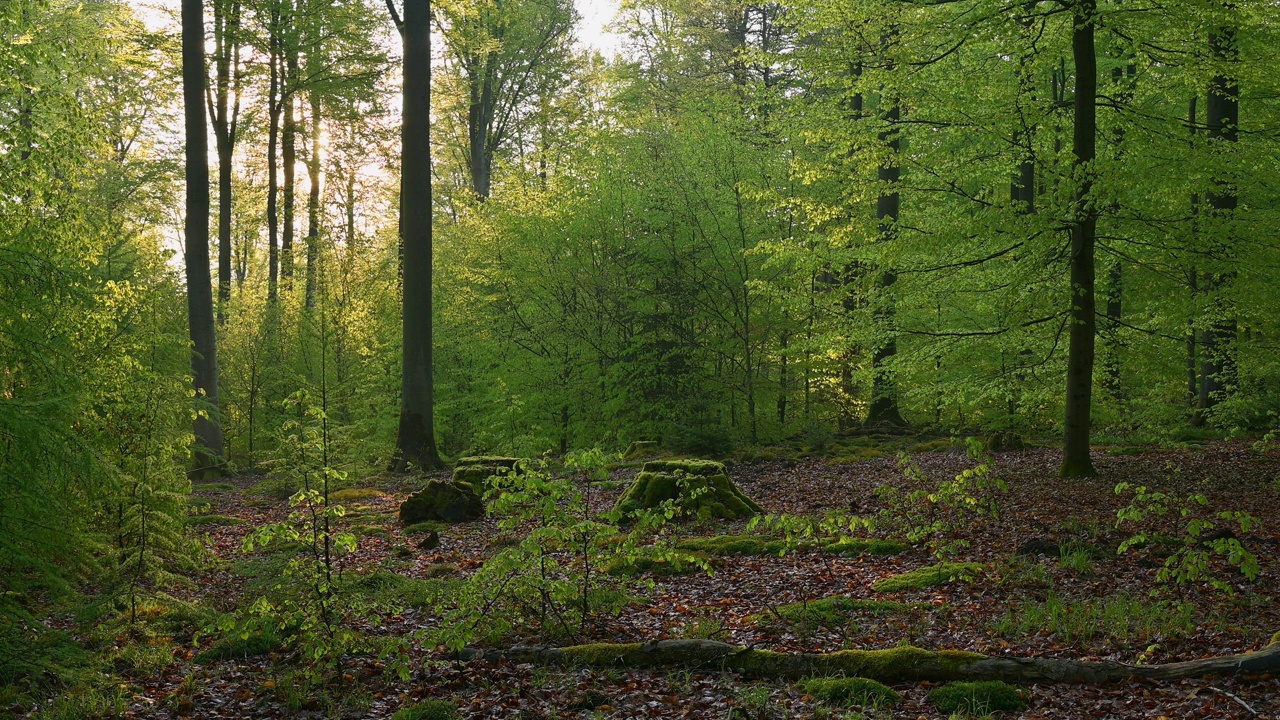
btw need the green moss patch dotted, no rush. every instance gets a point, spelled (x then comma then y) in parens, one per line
(927, 577)
(630, 567)
(700, 488)
(978, 698)
(424, 528)
(734, 545)
(213, 487)
(828, 612)
(353, 494)
(849, 546)
(847, 692)
(427, 710)
(475, 471)
(213, 520)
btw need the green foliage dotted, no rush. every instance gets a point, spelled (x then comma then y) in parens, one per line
(847, 692)
(1120, 618)
(556, 577)
(929, 576)
(940, 516)
(243, 643)
(1192, 561)
(978, 698)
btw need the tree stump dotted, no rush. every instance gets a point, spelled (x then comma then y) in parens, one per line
(443, 502)
(701, 488)
(475, 471)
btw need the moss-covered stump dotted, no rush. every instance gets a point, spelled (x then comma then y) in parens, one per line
(475, 471)
(900, 664)
(700, 488)
(641, 448)
(443, 502)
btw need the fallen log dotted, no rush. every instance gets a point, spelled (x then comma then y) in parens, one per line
(901, 664)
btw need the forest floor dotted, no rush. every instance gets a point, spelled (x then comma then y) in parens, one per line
(1090, 603)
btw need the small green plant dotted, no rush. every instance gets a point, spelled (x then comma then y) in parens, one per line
(427, 710)
(978, 698)
(1121, 618)
(848, 692)
(943, 515)
(1202, 541)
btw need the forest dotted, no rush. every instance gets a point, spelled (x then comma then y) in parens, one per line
(812, 359)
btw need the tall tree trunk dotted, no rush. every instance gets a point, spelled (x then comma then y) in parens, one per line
(313, 202)
(204, 358)
(884, 393)
(289, 159)
(273, 186)
(1222, 117)
(225, 116)
(1193, 282)
(1080, 355)
(416, 441)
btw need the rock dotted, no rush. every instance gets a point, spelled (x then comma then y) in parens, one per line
(706, 491)
(475, 471)
(430, 541)
(442, 501)
(641, 448)
(1040, 547)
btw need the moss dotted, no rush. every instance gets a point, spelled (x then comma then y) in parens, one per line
(734, 545)
(930, 446)
(603, 654)
(630, 567)
(715, 495)
(213, 487)
(863, 546)
(1275, 639)
(641, 448)
(423, 528)
(217, 520)
(978, 698)
(439, 570)
(475, 471)
(351, 494)
(369, 530)
(925, 577)
(828, 612)
(847, 692)
(445, 502)
(427, 710)
(1127, 450)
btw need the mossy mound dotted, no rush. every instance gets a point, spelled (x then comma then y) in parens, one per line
(734, 545)
(235, 646)
(443, 502)
(353, 494)
(427, 710)
(631, 567)
(926, 577)
(701, 488)
(828, 612)
(475, 471)
(849, 546)
(641, 448)
(848, 692)
(978, 698)
(423, 528)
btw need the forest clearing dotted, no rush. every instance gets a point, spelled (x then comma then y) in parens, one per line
(1048, 583)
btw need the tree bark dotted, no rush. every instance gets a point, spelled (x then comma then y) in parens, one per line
(1076, 461)
(415, 441)
(273, 187)
(225, 117)
(289, 160)
(313, 202)
(902, 664)
(204, 358)
(1222, 118)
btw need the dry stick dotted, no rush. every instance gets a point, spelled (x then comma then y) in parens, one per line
(1243, 704)
(903, 664)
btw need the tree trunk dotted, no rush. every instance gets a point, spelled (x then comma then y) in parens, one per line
(1080, 355)
(226, 18)
(313, 202)
(884, 393)
(415, 441)
(1222, 118)
(289, 160)
(273, 187)
(895, 665)
(204, 358)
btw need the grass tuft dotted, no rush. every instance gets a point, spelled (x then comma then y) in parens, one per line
(847, 692)
(978, 698)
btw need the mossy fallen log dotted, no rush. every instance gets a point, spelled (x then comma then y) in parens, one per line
(901, 664)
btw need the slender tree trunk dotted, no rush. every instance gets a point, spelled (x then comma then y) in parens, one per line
(289, 161)
(416, 441)
(1193, 282)
(1076, 460)
(1222, 118)
(313, 202)
(273, 187)
(225, 116)
(204, 358)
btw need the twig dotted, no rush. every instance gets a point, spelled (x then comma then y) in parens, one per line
(1243, 704)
